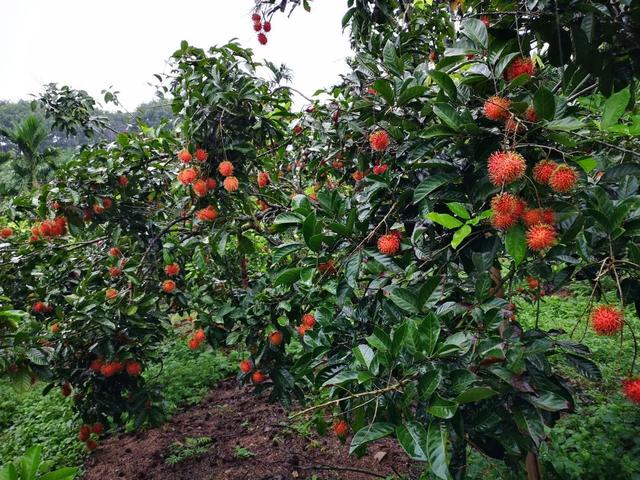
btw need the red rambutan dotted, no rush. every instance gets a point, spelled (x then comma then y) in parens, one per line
(520, 66)
(309, 320)
(496, 108)
(606, 320)
(187, 176)
(231, 184)
(341, 428)
(542, 171)
(541, 236)
(208, 214)
(172, 269)
(275, 338)
(262, 38)
(201, 155)
(631, 389)
(505, 167)
(379, 140)
(225, 168)
(6, 232)
(199, 188)
(246, 366)
(134, 368)
(184, 156)
(263, 179)
(388, 244)
(563, 178)
(380, 169)
(168, 286)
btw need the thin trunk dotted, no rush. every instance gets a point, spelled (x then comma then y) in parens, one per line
(533, 467)
(33, 166)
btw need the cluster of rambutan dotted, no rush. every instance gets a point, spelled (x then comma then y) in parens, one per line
(109, 369)
(41, 308)
(562, 178)
(196, 339)
(230, 183)
(389, 244)
(49, 229)
(185, 155)
(89, 434)
(307, 323)
(508, 209)
(497, 109)
(261, 27)
(246, 366)
(105, 204)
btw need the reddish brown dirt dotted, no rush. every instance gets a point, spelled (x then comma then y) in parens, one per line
(233, 417)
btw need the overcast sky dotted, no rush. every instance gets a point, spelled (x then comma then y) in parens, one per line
(92, 45)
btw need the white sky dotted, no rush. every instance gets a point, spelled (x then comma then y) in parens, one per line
(92, 45)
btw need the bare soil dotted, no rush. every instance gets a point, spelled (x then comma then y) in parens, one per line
(233, 417)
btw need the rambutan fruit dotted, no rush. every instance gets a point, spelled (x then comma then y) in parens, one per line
(114, 272)
(225, 168)
(246, 366)
(111, 293)
(123, 181)
(380, 169)
(184, 156)
(231, 184)
(530, 114)
(134, 368)
(309, 320)
(97, 428)
(606, 320)
(541, 236)
(6, 232)
(172, 269)
(187, 176)
(388, 244)
(505, 167)
(211, 184)
(341, 428)
(201, 155)
(262, 38)
(208, 214)
(379, 140)
(519, 66)
(199, 188)
(543, 170)
(114, 252)
(275, 338)
(84, 433)
(258, 377)
(263, 179)
(563, 178)
(631, 389)
(496, 108)
(168, 286)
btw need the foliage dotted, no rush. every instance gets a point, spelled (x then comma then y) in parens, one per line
(31, 467)
(188, 449)
(415, 339)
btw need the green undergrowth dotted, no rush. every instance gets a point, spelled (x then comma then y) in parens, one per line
(29, 418)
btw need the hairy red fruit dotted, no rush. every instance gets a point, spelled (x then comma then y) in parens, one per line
(357, 176)
(66, 389)
(231, 184)
(193, 344)
(503, 221)
(519, 66)
(543, 170)
(496, 108)
(533, 283)
(541, 236)
(505, 167)
(563, 178)
(275, 338)
(341, 428)
(262, 38)
(123, 181)
(187, 176)
(631, 389)
(266, 27)
(246, 366)
(262, 205)
(225, 168)
(606, 320)
(308, 320)
(388, 244)
(107, 203)
(258, 377)
(114, 252)
(184, 156)
(548, 216)
(114, 272)
(97, 428)
(45, 227)
(256, 17)
(337, 164)
(257, 26)
(507, 204)
(302, 330)
(380, 169)
(379, 140)
(6, 232)
(263, 179)
(208, 214)
(201, 155)
(96, 365)
(39, 307)
(84, 433)
(328, 267)
(35, 231)
(211, 184)
(55, 328)
(172, 269)
(111, 293)
(134, 368)
(199, 335)
(532, 216)
(92, 445)
(513, 125)
(168, 286)
(199, 188)
(530, 114)
(98, 209)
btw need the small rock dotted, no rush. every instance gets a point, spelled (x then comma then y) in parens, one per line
(379, 456)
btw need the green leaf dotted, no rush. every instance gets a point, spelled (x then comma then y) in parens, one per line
(459, 210)
(448, 115)
(404, 299)
(65, 473)
(30, 463)
(411, 93)
(309, 228)
(341, 377)
(476, 31)
(364, 354)
(385, 90)
(459, 235)
(614, 107)
(475, 394)
(544, 104)
(444, 219)
(516, 244)
(288, 219)
(9, 472)
(428, 186)
(391, 60)
(548, 401)
(458, 343)
(282, 251)
(352, 269)
(413, 438)
(442, 408)
(428, 333)
(428, 383)
(445, 83)
(565, 124)
(288, 277)
(437, 450)
(370, 433)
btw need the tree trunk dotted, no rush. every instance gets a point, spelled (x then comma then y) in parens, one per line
(458, 462)
(34, 176)
(533, 467)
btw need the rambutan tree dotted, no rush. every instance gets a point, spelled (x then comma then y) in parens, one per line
(366, 249)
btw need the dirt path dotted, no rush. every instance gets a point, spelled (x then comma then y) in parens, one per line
(247, 443)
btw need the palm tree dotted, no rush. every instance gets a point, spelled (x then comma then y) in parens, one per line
(28, 136)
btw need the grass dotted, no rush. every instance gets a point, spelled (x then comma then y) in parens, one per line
(29, 418)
